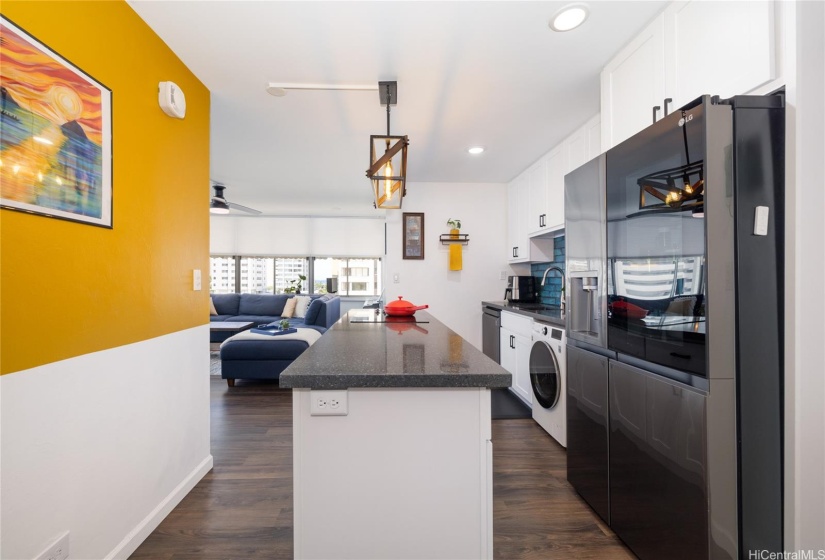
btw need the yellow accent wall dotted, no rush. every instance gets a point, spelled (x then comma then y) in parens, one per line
(67, 288)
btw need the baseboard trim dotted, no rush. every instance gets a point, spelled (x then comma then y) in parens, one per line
(143, 529)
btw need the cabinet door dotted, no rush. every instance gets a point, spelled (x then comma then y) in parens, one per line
(718, 48)
(512, 220)
(632, 83)
(576, 150)
(508, 352)
(537, 204)
(523, 251)
(556, 169)
(521, 378)
(593, 135)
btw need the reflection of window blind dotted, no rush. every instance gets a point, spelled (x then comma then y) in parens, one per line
(300, 236)
(657, 278)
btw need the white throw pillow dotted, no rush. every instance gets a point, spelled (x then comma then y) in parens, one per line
(212, 310)
(302, 306)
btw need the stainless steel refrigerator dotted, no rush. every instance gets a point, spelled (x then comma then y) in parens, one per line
(674, 260)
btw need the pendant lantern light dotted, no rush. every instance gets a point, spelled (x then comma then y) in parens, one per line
(388, 157)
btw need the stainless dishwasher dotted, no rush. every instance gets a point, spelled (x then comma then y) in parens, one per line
(490, 330)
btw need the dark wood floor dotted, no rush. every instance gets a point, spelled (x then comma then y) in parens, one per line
(243, 507)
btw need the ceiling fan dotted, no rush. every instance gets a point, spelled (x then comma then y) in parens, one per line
(219, 204)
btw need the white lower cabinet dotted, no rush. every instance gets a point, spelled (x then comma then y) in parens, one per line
(516, 342)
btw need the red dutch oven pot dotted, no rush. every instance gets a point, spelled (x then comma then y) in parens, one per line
(401, 308)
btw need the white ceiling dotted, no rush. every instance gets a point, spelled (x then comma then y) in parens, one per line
(488, 73)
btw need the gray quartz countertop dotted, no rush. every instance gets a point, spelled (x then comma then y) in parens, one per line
(550, 315)
(357, 351)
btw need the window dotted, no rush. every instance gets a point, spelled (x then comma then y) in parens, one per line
(267, 275)
(222, 275)
(256, 275)
(356, 277)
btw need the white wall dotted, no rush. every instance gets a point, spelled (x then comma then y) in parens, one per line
(103, 445)
(454, 297)
(805, 246)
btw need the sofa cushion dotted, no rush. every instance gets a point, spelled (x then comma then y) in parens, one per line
(302, 306)
(218, 318)
(262, 304)
(226, 304)
(314, 310)
(289, 308)
(257, 319)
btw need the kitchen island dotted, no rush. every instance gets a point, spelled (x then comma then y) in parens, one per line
(391, 441)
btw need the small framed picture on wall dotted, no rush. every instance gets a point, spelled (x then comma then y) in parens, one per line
(413, 237)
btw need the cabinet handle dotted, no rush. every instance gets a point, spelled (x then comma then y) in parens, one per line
(512, 342)
(516, 250)
(667, 100)
(655, 110)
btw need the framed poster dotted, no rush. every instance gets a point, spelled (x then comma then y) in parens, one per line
(55, 134)
(413, 238)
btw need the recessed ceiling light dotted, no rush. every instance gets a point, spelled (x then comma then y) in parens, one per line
(569, 17)
(475, 150)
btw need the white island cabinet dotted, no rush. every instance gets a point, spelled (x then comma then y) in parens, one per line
(407, 472)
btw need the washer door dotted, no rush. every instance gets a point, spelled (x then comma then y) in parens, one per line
(544, 374)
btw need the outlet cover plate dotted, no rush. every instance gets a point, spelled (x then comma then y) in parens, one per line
(328, 403)
(58, 550)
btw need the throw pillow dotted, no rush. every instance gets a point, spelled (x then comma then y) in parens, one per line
(302, 306)
(313, 311)
(212, 310)
(289, 308)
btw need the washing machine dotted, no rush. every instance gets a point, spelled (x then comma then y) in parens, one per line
(548, 378)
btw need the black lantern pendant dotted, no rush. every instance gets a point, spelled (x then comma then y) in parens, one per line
(388, 157)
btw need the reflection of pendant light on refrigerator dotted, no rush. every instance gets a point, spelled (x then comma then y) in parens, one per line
(388, 178)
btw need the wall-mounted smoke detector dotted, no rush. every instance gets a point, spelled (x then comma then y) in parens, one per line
(569, 17)
(171, 99)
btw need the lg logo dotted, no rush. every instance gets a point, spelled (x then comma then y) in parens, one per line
(683, 120)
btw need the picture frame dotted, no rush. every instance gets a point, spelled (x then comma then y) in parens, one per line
(413, 235)
(56, 134)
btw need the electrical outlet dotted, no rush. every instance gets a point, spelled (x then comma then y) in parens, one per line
(328, 403)
(502, 275)
(196, 279)
(58, 550)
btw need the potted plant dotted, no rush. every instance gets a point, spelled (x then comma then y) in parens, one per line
(455, 225)
(284, 324)
(295, 285)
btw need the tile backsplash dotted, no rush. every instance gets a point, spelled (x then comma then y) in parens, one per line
(550, 293)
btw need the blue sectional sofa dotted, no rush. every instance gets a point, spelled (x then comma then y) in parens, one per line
(266, 359)
(266, 308)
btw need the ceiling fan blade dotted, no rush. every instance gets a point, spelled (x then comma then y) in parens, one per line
(243, 208)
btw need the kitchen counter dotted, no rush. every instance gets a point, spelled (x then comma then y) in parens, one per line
(550, 315)
(357, 351)
(391, 430)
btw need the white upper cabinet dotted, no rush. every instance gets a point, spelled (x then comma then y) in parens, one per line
(632, 84)
(537, 209)
(593, 135)
(693, 48)
(718, 48)
(556, 170)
